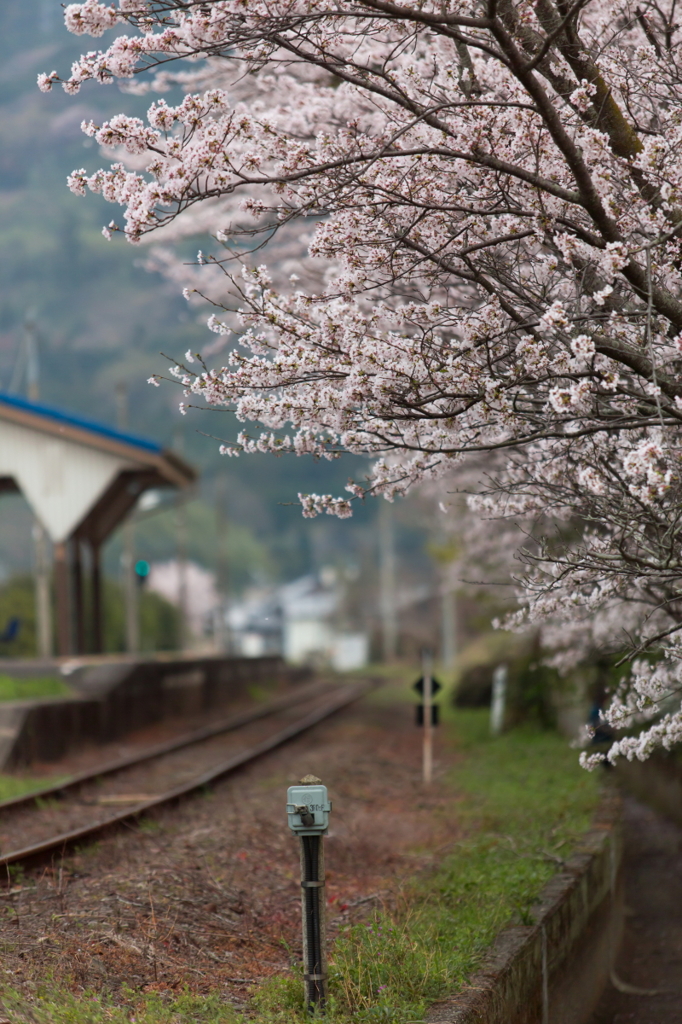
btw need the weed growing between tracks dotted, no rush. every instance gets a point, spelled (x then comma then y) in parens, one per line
(13, 785)
(525, 804)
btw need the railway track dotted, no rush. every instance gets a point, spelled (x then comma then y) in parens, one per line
(82, 799)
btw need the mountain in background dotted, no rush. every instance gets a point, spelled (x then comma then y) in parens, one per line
(102, 321)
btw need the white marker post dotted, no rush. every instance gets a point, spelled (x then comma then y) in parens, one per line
(499, 700)
(427, 696)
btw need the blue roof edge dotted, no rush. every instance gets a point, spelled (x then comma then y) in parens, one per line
(78, 421)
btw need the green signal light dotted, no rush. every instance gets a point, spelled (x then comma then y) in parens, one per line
(142, 568)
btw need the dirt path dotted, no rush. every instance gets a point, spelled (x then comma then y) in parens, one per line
(651, 955)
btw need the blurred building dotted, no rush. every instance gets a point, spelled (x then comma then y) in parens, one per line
(302, 620)
(201, 596)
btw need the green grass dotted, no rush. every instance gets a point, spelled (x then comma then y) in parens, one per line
(261, 692)
(525, 804)
(53, 1005)
(13, 785)
(31, 687)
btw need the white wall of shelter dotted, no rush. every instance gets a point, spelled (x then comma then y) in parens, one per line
(60, 479)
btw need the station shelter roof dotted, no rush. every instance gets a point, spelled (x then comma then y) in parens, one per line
(80, 478)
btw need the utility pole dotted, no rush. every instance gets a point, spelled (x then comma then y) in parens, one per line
(389, 623)
(32, 360)
(448, 626)
(43, 602)
(181, 544)
(222, 566)
(181, 555)
(427, 699)
(131, 596)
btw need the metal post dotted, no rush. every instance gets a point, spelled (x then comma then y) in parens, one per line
(313, 920)
(427, 676)
(389, 624)
(499, 700)
(308, 813)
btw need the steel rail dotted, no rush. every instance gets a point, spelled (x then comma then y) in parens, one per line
(64, 840)
(167, 747)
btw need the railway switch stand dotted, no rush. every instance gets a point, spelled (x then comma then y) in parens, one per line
(308, 808)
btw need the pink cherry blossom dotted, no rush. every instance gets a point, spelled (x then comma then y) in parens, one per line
(446, 235)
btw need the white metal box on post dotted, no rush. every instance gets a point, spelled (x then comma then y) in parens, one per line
(304, 803)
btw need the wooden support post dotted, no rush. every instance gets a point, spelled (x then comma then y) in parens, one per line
(78, 596)
(97, 608)
(62, 598)
(42, 592)
(131, 592)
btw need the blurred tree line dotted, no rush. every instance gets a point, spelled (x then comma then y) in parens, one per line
(159, 620)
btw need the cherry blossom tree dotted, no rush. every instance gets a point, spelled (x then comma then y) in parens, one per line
(489, 194)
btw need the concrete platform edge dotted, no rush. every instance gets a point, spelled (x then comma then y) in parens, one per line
(115, 699)
(554, 971)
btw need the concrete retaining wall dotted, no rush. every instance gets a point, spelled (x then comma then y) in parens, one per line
(553, 972)
(113, 699)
